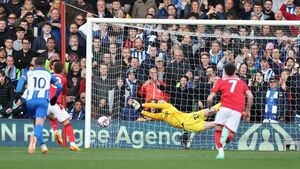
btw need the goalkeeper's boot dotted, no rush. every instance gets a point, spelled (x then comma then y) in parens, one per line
(32, 143)
(221, 155)
(74, 148)
(58, 138)
(44, 149)
(136, 105)
(224, 136)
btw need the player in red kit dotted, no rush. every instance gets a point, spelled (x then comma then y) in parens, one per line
(233, 91)
(58, 113)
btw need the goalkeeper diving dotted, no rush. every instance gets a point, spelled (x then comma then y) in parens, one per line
(194, 121)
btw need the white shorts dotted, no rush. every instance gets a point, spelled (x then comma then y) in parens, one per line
(229, 118)
(59, 112)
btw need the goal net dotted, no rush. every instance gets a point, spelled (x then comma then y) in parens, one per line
(133, 58)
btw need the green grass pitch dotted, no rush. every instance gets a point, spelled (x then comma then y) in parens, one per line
(62, 158)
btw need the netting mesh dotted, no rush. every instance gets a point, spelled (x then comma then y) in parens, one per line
(132, 61)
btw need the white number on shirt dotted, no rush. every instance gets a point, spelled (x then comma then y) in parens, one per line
(233, 84)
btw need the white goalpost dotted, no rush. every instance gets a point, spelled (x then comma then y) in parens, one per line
(206, 46)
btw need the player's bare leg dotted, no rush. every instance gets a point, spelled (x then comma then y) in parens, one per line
(209, 124)
(32, 144)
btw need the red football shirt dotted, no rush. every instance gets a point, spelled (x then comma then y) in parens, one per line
(233, 91)
(63, 80)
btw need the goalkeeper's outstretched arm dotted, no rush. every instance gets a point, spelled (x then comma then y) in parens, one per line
(157, 105)
(156, 116)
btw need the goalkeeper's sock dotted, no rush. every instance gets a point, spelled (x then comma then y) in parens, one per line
(217, 138)
(70, 132)
(54, 124)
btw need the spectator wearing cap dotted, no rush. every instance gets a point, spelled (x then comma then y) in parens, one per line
(276, 103)
(291, 16)
(2, 58)
(20, 33)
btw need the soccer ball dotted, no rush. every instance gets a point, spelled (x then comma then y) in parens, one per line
(103, 121)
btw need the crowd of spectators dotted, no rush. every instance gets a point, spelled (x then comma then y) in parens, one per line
(149, 62)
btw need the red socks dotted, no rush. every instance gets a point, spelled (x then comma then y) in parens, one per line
(217, 138)
(54, 124)
(230, 137)
(70, 133)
